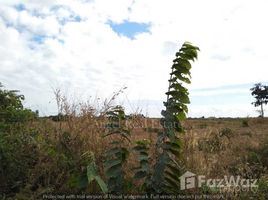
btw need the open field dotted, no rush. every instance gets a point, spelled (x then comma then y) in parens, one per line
(54, 155)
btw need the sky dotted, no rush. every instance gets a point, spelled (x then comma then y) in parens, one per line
(93, 48)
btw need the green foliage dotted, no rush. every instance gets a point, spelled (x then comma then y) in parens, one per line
(166, 174)
(263, 188)
(10, 98)
(92, 175)
(18, 154)
(11, 108)
(15, 141)
(260, 93)
(165, 177)
(117, 155)
(143, 170)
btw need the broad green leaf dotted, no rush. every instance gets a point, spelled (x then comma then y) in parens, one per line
(175, 177)
(182, 62)
(181, 77)
(171, 183)
(182, 97)
(82, 181)
(179, 87)
(114, 171)
(91, 172)
(111, 163)
(102, 184)
(181, 116)
(112, 151)
(173, 169)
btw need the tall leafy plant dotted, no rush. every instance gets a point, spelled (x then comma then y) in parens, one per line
(164, 178)
(167, 169)
(116, 156)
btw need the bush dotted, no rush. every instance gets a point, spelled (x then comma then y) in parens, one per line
(18, 154)
(17, 146)
(244, 123)
(213, 144)
(11, 108)
(254, 163)
(263, 188)
(227, 132)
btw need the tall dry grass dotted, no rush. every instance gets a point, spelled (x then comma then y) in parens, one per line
(63, 149)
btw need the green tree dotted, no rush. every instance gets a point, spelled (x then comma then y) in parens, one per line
(11, 107)
(260, 93)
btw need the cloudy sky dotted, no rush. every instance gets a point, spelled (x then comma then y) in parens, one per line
(90, 48)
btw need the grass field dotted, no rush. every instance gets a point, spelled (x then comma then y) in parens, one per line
(56, 153)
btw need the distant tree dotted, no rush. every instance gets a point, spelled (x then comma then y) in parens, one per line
(260, 93)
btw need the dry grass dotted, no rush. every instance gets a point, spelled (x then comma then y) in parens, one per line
(206, 150)
(212, 147)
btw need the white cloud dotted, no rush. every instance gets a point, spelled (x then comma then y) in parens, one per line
(87, 56)
(9, 14)
(36, 25)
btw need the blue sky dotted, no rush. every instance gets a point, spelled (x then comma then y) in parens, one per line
(129, 29)
(93, 48)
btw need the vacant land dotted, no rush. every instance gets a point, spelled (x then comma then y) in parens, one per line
(44, 156)
(217, 147)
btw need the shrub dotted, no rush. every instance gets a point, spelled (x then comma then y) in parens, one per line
(263, 188)
(18, 155)
(11, 108)
(226, 132)
(212, 144)
(253, 164)
(18, 149)
(244, 123)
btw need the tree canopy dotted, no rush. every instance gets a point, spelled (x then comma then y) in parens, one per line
(11, 107)
(260, 93)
